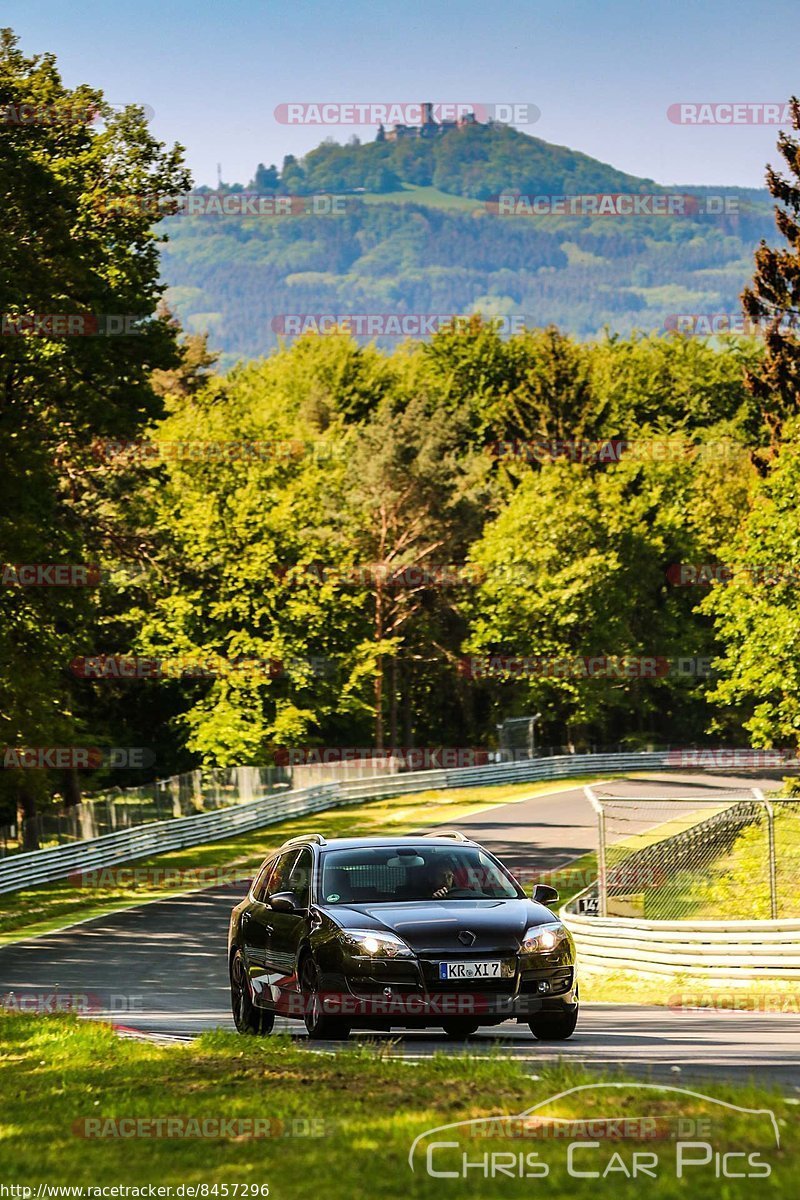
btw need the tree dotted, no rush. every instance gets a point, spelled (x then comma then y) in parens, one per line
(293, 177)
(242, 540)
(81, 186)
(555, 398)
(576, 567)
(336, 552)
(756, 615)
(266, 178)
(773, 299)
(414, 506)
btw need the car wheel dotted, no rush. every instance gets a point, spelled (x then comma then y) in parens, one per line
(318, 1023)
(247, 1018)
(554, 1026)
(458, 1030)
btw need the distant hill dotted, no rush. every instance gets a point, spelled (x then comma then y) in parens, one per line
(420, 234)
(478, 161)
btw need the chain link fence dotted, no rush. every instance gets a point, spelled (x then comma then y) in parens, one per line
(732, 855)
(123, 808)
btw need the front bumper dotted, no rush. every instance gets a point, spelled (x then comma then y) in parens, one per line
(409, 992)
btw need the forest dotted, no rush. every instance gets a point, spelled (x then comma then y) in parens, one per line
(342, 544)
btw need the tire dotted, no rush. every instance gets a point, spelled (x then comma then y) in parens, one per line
(458, 1030)
(319, 1024)
(247, 1018)
(554, 1026)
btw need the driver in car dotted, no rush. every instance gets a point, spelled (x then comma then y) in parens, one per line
(443, 881)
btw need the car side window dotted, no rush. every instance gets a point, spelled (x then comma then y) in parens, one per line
(279, 879)
(259, 888)
(300, 877)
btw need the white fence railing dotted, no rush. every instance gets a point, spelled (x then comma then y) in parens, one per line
(46, 866)
(741, 950)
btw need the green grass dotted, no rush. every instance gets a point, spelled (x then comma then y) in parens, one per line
(362, 1110)
(737, 880)
(583, 871)
(47, 907)
(430, 196)
(682, 991)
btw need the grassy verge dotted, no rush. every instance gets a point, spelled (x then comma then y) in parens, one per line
(737, 880)
(681, 992)
(342, 1125)
(41, 909)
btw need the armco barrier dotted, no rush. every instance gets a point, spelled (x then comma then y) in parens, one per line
(45, 866)
(721, 950)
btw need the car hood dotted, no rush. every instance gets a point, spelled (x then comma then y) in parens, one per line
(498, 925)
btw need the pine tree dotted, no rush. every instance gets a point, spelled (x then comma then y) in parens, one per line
(773, 300)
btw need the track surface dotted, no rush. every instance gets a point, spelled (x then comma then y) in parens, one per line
(160, 969)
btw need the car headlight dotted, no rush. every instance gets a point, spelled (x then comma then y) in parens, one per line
(543, 937)
(375, 943)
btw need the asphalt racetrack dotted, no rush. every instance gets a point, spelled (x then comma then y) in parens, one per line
(159, 970)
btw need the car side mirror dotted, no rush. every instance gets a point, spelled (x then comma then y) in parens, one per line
(285, 902)
(544, 894)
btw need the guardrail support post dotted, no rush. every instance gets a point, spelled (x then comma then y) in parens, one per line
(602, 880)
(773, 861)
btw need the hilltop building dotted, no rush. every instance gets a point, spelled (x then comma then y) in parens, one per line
(427, 129)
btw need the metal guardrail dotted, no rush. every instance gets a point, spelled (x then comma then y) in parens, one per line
(59, 862)
(161, 800)
(714, 949)
(741, 950)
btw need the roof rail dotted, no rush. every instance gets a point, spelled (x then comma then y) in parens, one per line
(306, 837)
(448, 833)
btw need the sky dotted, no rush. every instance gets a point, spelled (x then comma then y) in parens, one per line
(603, 73)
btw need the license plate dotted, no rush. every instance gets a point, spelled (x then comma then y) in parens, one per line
(469, 970)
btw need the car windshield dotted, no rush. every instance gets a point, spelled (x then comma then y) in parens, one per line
(390, 873)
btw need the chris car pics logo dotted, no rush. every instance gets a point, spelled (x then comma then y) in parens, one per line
(685, 1135)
